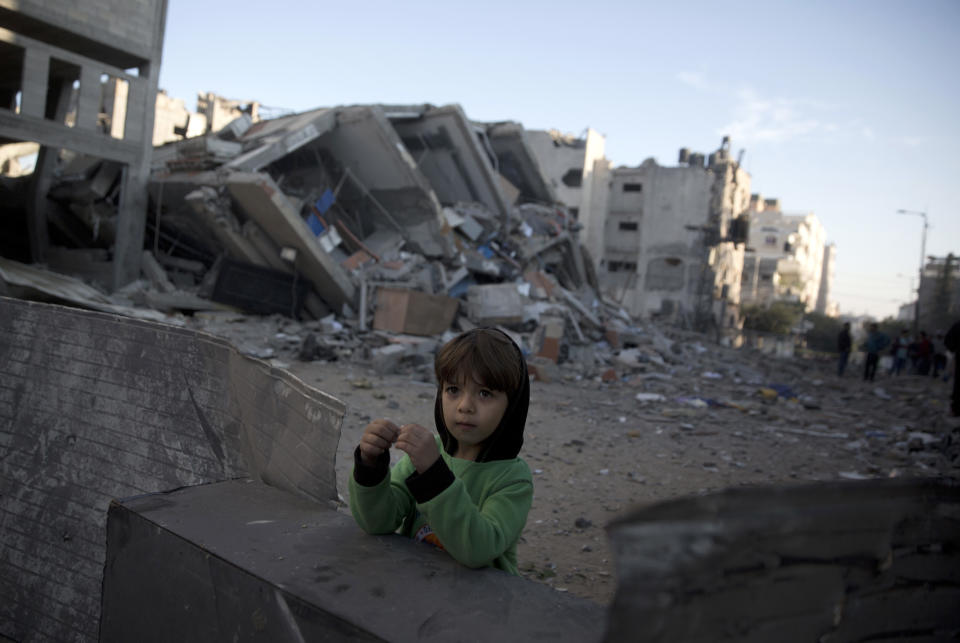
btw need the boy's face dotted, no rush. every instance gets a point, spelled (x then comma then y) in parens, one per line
(472, 413)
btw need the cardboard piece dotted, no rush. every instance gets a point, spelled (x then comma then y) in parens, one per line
(401, 310)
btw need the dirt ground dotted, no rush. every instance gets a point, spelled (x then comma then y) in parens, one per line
(596, 450)
(711, 418)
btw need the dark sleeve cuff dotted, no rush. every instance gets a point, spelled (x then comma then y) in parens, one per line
(370, 476)
(427, 485)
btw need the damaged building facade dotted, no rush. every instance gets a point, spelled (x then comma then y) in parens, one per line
(674, 239)
(578, 171)
(173, 121)
(57, 58)
(787, 258)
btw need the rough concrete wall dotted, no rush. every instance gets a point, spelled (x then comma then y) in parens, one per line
(591, 213)
(517, 162)
(454, 162)
(171, 114)
(365, 143)
(830, 562)
(676, 197)
(555, 162)
(95, 407)
(129, 25)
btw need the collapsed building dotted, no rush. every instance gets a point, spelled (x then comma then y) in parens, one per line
(409, 219)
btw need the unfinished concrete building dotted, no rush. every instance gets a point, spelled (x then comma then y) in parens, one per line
(56, 60)
(785, 256)
(674, 240)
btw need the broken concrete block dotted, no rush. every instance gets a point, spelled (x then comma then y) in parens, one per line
(400, 310)
(219, 220)
(543, 369)
(356, 260)
(803, 546)
(464, 223)
(481, 265)
(155, 273)
(547, 338)
(208, 542)
(236, 128)
(386, 359)
(268, 141)
(542, 285)
(492, 304)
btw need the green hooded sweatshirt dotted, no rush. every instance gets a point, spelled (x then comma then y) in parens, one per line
(475, 511)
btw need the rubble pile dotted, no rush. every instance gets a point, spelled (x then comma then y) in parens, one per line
(374, 221)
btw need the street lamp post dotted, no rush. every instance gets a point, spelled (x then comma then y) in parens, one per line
(923, 257)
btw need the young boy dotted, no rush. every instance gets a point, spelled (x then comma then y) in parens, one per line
(466, 490)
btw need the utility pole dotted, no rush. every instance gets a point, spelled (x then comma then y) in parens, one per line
(923, 258)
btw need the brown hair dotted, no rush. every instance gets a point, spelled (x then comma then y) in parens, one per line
(486, 354)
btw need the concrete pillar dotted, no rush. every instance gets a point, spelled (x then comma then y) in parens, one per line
(88, 103)
(36, 70)
(132, 209)
(43, 176)
(136, 103)
(118, 110)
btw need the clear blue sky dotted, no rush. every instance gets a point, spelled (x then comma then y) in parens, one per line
(846, 109)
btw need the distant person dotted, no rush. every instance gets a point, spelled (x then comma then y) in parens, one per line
(924, 354)
(844, 342)
(899, 350)
(952, 343)
(465, 491)
(939, 356)
(876, 342)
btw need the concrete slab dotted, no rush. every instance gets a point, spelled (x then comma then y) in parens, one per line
(387, 185)
(518, 162)
(270, 140)
(249, 561)
(449, 154)
(260, 199)
(94, 407)
(30, 282)
(838, 561)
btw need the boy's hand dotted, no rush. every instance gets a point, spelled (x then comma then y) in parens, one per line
(377, 438)
(418, 443)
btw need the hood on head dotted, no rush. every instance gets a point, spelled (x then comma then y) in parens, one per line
(507, 439)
